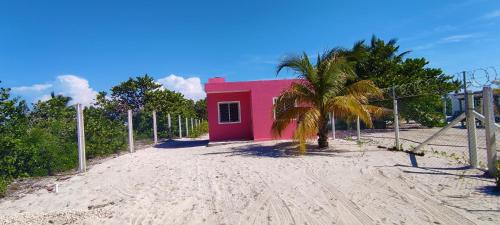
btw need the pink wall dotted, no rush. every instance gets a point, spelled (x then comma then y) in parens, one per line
(232, 131)
(260, 97)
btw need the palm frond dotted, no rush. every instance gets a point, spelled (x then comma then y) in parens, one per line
(300, 64)
(365, 90)
(307, 128)
(326, 87)
(348, 107)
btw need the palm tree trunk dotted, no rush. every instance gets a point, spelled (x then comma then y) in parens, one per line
(323, 132)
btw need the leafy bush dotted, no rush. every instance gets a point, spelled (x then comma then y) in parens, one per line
(43, 141)
(3, 186)
(103, 134)
(200, 130)
(429, 114)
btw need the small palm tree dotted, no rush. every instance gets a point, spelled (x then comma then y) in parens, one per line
(328, 86)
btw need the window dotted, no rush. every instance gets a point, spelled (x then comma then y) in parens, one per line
(229, 112)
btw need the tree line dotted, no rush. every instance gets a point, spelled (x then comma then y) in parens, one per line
(40, 139)
(353, 83)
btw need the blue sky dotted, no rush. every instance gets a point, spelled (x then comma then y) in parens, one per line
(97, 44)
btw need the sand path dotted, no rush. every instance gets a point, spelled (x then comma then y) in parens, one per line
(253, 183)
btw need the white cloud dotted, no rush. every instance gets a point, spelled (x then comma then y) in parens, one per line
(43, 98)
(77, 88)
(445, 28)
(190, 87)
(459, 38)
(32, 88)
(449, 39)
(68, 85)
(492, 15)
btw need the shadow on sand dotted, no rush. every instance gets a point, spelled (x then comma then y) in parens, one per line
(285, 149)
(489, 189)
(182, 143)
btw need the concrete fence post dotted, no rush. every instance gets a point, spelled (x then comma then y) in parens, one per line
(490, 127)
(155, 129)
(130, 131)
(358, 129)
(180, 127)
(187, 127)
(82, 165)
(471, 129)
(444, 106)
(333, 125)
(396, 120)
(169, 123)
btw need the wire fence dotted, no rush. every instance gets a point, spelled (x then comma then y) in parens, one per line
(462, 142)
(140, 128)
(130, 131)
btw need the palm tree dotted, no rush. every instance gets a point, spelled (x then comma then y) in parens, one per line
(325, 87)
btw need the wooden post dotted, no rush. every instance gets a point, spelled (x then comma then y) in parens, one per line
(155, 129)
(187, 128)
(490, 127)
(82, 165)
(358, 128)
(180, 127)
(471, 129)
(130, 132)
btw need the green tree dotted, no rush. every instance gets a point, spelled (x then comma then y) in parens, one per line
(382, 63)
(13, 124)
(169, 102)
(104, 134)
(325, 87)
(52, 136)
(200, 107)
(132, 94)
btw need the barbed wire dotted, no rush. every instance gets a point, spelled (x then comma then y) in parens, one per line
(476, 78)
(482, 77)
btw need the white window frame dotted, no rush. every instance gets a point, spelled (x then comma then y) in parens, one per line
(229, 112)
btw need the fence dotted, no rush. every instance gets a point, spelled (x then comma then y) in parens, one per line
(468, 140)
(142, 128)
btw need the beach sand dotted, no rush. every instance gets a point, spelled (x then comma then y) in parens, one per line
(263, 183)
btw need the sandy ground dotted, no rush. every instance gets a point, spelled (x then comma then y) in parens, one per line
(452, 144)
(185, 182)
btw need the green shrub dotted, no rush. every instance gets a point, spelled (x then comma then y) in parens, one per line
(104, 135)
(3, 186)
(200, 130)
(43, 141)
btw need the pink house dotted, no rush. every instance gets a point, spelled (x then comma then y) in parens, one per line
(243, 110)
